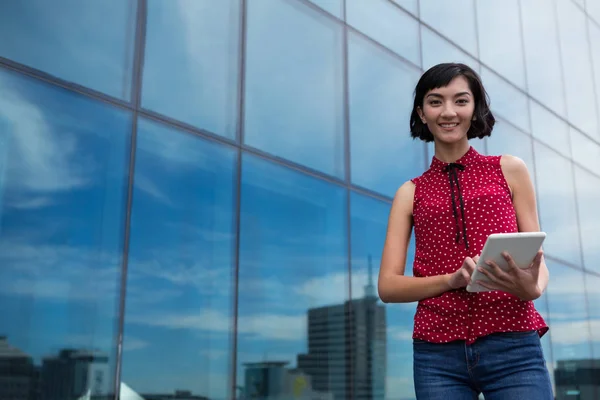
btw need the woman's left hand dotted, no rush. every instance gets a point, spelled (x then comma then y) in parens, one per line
(520, 282)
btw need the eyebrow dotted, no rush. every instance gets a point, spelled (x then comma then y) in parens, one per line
(456, 95)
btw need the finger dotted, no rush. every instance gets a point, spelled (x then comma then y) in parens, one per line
(488, 274)
(488, 285)
(466, 275)
(469, 266)
(495, 269)
(511, 263)
(476, 259)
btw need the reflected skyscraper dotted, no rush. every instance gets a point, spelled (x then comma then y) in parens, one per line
(577, 379)
(18, 374)
(347, 346)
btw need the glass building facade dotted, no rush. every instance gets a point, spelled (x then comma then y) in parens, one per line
(194, 193)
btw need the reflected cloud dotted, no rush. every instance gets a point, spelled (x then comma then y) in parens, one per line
(41, 159)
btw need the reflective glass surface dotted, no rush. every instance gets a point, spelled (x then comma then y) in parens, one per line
(411, 6)
(570, 331)
(293, 103)
(544, 72)
(576, 58)
(181, 259)
(396, 30)
(585, 151)
(71, 40)
(436, 50)
(442, 16)
(594, 35)
(178, 82)
(588, 198)
(384, 155)
(556, 202)
(506, 100)
(391, 357)
(506, 139)
(335, 7)
(550, 129)
(499, 34)
(63, 189)
(293, 278)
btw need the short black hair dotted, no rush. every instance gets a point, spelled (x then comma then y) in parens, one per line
(439, 76)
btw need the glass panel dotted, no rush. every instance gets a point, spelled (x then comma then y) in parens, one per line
(556, 200)
(544, 74)
(541, 305)
(500, 44)
(585, 151)
(178, 81)
(411, 6)
(335, 7)
(593, 10)
(577, 63)
(506, 139)
(594, 35)
(506, 100)
(588, 198)
(180, 287)
(569, 327)
(438, 50)
(388, 25)
(63, 196)
(592, 287)
(550, 129)
(442, 16)
(390, 337)
(380, 86)
(293, 283)
(294, 106)
(71, 40)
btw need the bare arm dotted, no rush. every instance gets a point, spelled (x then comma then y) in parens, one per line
(524, 201)
(393, 286)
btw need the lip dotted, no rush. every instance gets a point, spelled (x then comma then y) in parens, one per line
(448, 126)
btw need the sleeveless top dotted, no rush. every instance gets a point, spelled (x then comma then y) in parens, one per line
(456, 206)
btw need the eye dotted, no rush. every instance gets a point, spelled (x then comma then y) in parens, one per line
(462, 101)
(434, 102)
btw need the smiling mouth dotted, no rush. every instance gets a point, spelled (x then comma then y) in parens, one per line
(453, 125)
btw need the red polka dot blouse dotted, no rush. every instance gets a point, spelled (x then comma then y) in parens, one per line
(456, 206)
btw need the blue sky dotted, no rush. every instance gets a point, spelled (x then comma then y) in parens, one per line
(63, 176)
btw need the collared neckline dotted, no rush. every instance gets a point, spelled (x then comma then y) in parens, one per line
(469, 157)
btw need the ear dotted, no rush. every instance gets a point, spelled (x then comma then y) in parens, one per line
(421, 115)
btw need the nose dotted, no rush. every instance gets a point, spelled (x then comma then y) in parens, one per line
(448, 111)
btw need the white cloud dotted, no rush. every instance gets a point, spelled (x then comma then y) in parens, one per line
(42, 159)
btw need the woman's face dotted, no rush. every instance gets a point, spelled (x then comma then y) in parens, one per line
(448, 111)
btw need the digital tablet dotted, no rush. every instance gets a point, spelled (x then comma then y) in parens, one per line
(522, 246)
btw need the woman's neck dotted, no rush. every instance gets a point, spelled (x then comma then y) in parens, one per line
(450, 152)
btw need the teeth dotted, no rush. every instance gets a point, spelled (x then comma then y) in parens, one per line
(448, 125)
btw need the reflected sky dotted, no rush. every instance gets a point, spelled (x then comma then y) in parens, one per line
(556, 202)
(64, 162)
(64, 188)
(383, 155)
(579, 92)
(567, 313)
(179, 288)
(55, 37)
(177, 81)
(388, 25)
(293, 104)
(588, 198)
(334, 7)
(499, 36)
(544, 73)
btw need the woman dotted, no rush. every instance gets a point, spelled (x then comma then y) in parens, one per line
(465, 343)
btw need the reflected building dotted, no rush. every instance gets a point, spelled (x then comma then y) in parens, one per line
(74, 374)
(18, 374)
(347, 346)
(577, 379)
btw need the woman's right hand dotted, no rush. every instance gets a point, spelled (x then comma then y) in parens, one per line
(462, 277)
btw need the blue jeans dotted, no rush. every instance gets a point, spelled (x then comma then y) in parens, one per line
(502, 366)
